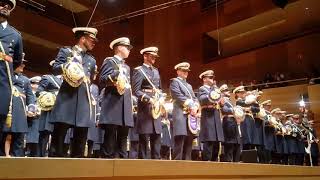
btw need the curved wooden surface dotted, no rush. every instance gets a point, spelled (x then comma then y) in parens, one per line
(58, 168)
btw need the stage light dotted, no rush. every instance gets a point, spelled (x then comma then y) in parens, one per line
(302, 103)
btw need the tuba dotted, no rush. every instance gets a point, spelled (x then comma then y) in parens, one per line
(158, 103)
(73, 72)
(46, 100)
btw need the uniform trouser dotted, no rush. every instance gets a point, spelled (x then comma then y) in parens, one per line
(261, 154)
(165, 152)
(33, 149)
(299, 159)
(276, 158)
(43, 143)
(182, 147)
(210, 151)
(134, 149)
(291, 159)
(231, 152)
(90, 148)
(248, 147)
(77, 145)
(268, 156)
(115, 141)
(17, 144)
(314, 160)
(196, 155)
(155, 145)
(2, 121)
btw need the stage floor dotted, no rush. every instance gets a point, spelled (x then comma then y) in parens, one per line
(62, 168)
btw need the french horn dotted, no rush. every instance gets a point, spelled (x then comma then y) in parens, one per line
(158, 103)
(122, 82)
(72, 71)
(46, 100)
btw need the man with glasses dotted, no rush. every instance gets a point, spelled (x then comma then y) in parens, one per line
(73, 105)
(116, 115)
(10, 56)
(211, 132)
(146, 81)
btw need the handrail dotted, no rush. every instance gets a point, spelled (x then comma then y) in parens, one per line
(278, 82)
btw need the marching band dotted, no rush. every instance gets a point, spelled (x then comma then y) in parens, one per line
(64, 114)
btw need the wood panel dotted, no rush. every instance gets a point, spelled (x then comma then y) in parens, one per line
(314, 99)
(48, 168)
(286, 98)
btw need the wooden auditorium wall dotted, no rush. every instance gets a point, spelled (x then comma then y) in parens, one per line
(177, 31)
(43, 36)
(35, 31)
(295, 58)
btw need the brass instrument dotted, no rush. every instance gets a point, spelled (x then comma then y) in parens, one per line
(122, 82)
(46, 100)
(262, 114)
(33, 110)
(158, 98)
(158, 103)
(73, 72)
(189, 108)
(239, 113)
(214, 95)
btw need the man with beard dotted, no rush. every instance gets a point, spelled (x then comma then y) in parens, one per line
(10, 57)
(211, 132)
(73, 106)
(146, 81)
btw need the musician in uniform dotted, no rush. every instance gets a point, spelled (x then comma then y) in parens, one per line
(23, 102)
(211, 132)
(185, 104)
(146, 82)
(10, 58)
(32, 136)
(247, 126)
(277, 154)
(48, 84)
(116, 107)
(259, 130)
(314, 148)
(133, 134)
(269, 138)
(290, 138)
(73, 106)
(93, 132)
(301, 138)
(166, 133)
(231, 128)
